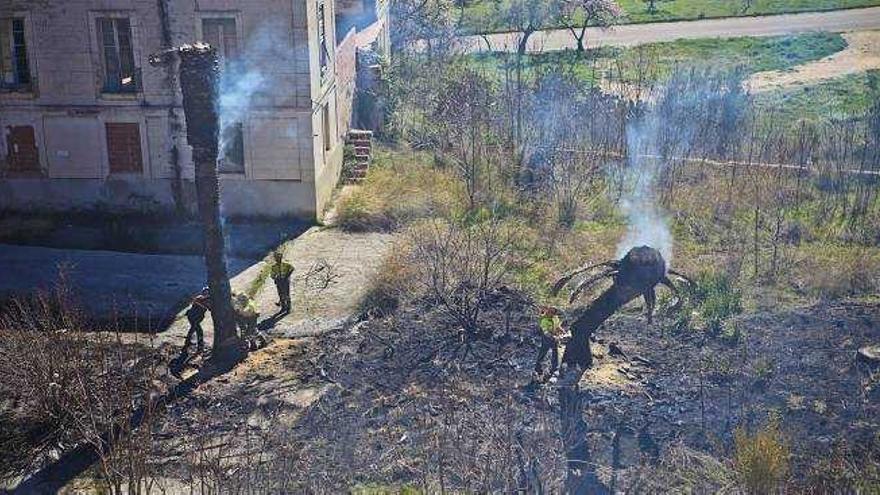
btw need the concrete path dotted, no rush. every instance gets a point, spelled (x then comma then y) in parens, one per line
(332, 273)
(638, 34)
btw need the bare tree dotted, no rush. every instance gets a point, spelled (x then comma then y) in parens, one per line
(578, 15)
(464, 117)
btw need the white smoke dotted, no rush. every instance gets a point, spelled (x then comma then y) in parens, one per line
(262, 73)
(694, 114)
(647, 224)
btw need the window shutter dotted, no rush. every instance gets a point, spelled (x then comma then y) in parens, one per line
(111, 60)
(6, 69)
(124, 148)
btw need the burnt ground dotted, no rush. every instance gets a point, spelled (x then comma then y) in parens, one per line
(407, 400)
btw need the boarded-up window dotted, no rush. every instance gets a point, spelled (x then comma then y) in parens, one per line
(15, 71)
(124, 148)
(232, 150)
(220, 32)
(22, 155)
(117, 55)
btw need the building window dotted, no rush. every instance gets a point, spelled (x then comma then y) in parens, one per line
(325, 116)
(323, 55)
(15, 72)
(22, 155)
(232, 150)
(124, 148)
(220, 32)
(115, 42)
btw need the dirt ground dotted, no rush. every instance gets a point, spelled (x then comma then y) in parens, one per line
(861, 54)
(405, 400)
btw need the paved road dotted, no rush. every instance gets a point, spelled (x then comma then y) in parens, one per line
(107, 284)
(637, 34)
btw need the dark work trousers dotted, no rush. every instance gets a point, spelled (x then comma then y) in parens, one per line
(283, 287)
(548, 343)
(195, 328)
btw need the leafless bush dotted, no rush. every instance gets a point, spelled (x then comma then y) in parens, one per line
(460, 265)
(65, 388)
(466, 118)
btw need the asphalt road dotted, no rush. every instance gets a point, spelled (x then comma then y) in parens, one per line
(637, 34)
(107, 284)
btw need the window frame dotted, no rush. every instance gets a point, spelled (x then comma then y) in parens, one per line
(29, 89)
(235, 15)
(98, 54)
(243, 165)
(324, 59)
(326, 127)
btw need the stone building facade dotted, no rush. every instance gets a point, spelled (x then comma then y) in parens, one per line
(87, 123)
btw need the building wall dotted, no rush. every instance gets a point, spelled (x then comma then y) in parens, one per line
(284, 150)
(346, 79)
(326, 145)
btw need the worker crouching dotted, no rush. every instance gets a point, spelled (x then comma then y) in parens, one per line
(200, 305)
(246, 314)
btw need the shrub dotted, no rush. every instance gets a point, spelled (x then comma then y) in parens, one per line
(399, 192)
(761, 459)
(715, 299)
(459, 267)
(66, 388)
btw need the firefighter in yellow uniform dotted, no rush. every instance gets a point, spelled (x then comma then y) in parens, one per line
(280, 272)
(550, 325)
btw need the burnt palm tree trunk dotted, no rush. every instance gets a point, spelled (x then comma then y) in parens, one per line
(199, 72)
(578, 350)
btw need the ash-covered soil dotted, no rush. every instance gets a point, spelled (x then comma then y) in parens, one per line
(407, 400)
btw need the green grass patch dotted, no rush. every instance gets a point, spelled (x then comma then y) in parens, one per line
(619, 63)
(841, 98)
(483, 16)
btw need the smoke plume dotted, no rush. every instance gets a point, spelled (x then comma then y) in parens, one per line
(261, 75)
(694, 115)
(647, 224)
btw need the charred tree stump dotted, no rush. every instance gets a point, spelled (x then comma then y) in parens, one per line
(199, 75)
(637, 274)
(578, 350)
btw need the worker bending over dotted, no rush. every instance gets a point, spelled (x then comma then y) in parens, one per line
(246, 314)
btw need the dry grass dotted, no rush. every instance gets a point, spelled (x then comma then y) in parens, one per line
(761, 459)
(64, 387)
(392, 283)
(401, 187)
